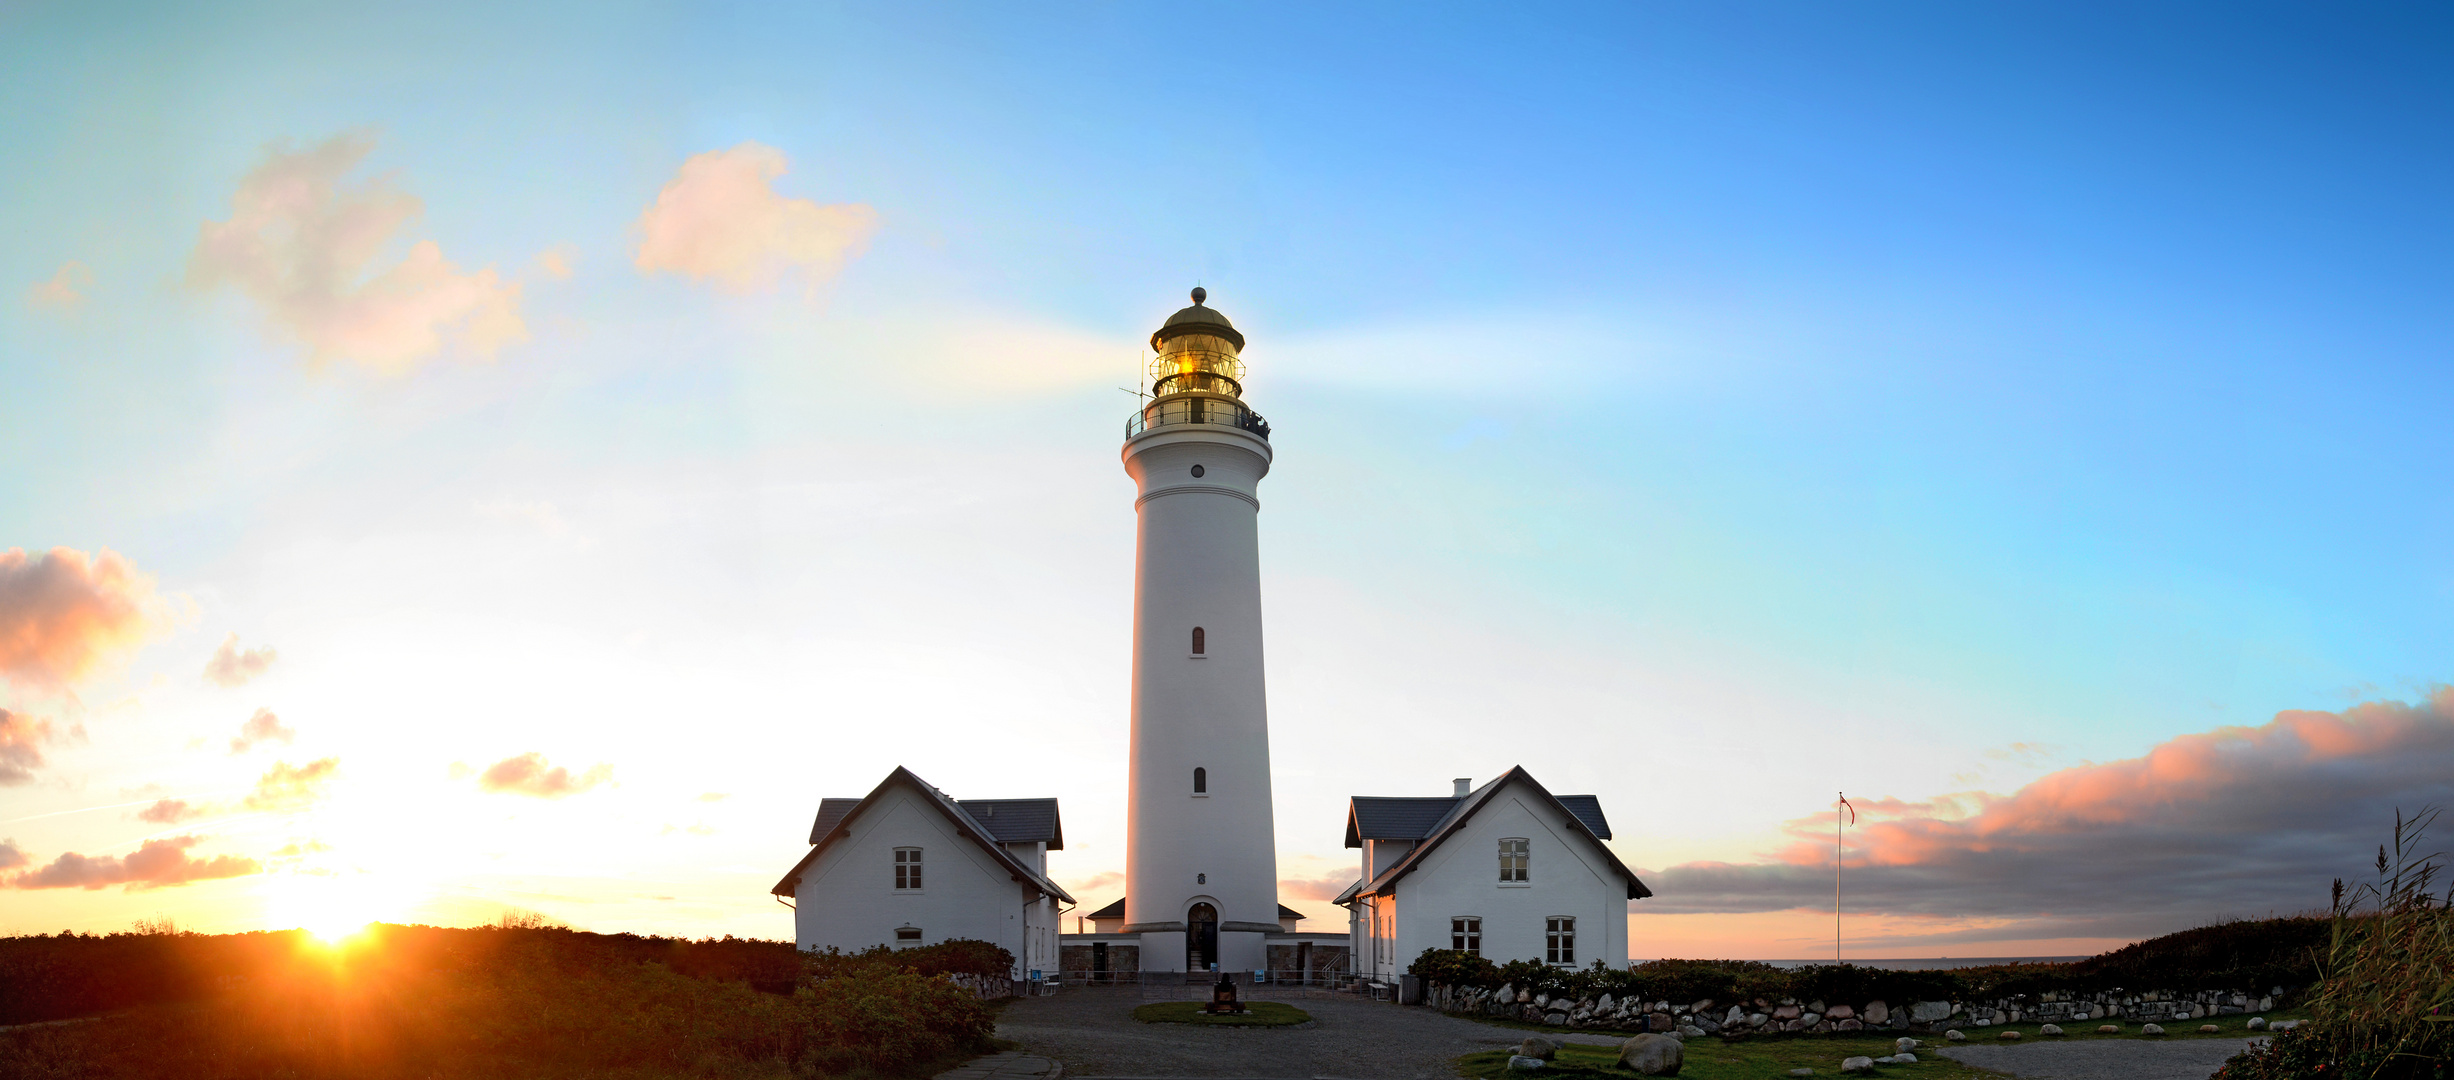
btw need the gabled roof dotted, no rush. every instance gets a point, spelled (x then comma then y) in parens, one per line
(965, 825)
(1117, 911)
(1586, 819)
(1374, 817)
(1285, 912)
(1018, 821)
(830, 814)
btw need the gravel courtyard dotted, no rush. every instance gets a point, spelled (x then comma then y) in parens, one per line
(1092, 1030)
(2103, 1059)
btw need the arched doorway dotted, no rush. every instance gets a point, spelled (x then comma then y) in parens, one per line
(1200, 937)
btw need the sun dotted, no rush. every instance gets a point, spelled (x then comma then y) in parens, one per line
(330, 906)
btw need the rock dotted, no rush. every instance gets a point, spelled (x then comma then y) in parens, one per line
(1954, 1035)
(1709, 1027)
(1849, 1025)
(1794, 1025)
(1878, 1013)
(1507, 993)
(1815, 1006)
(1737, 1015)
(1557, 1019)
(1841, 1012)
(1606, 1004)
(1802, 1072)
(1887, 1059)
(2001, 1017)
(1904, 1058)
(1535, 1046)
(1929, 1011)
(1660, 1021)
(1525, 997)
(1542, 1001)
(2151, 1029)
(2258, 1023)
(1521, 1063)
(1811, 1018)
(2266, 1004)
(1904, 1044)
(1758, 1019)
(1702, 1007)
(1653, 1055)
(1689, 1031)
(2208, 1029)
(1787, 1012)
(2008, 1036)
(1860, 1063)
(2050, 1029)
(2108, 1029)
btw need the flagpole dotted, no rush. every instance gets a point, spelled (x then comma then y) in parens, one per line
(1836, 869)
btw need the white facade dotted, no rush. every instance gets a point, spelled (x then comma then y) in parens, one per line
(855, 889)
(1200, 838)
(1570, 906)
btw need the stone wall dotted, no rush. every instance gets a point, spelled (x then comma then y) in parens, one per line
(1760, 1016)
(1327, 961)
(1075, 961)
(985, 987)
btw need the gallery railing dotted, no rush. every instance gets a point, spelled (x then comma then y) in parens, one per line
(1196, 409)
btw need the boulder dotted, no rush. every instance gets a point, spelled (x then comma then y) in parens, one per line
(1652, 1055)
(2008, 1036)
(1689, 1031)
(1787, 1012)
(2266, 1004)
(1887, 1059)
(2151, 1029)
(1929, 1011)
(1535, 1046)
(1519, 1063)
(1878, 1013)
(1793, 1025)
(1954, 1035)
(2108, 1029)
(1840, 1012)
(2050, 1029)
(1860, 1063)
(1702, 1007)
(1737, 1015)
(1606, 1004)
(1904, 1044)
(1849, 1025)
(1904, 1058)
(1811, 1018)
(2208, 1029)
(2001, 1017)
(1758, 1019)
(1815, 1006)
(1557, 1019)
(2258, 1023)
(1660, 1021)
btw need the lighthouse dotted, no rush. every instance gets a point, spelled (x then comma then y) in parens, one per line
(1201, 864)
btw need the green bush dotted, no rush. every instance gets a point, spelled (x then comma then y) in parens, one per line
(1453, 967)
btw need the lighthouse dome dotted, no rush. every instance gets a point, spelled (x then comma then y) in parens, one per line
(1197, 320)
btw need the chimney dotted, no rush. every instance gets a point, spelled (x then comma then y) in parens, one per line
(1464, 784)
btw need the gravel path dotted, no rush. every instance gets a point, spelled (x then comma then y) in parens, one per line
(1092, 1030)
(2102, 1059)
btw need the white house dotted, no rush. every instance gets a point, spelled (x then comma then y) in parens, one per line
(904, 865)
(1507, 871)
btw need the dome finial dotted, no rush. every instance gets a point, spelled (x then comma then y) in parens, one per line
(1200, 294)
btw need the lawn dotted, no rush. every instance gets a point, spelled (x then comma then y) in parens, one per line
(1756, 1059)
(1263, 1014)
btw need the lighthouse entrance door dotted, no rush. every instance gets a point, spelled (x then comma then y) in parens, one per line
(1200, 937)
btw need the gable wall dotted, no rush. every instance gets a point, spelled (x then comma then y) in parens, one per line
(1461, 877)
(848, 900)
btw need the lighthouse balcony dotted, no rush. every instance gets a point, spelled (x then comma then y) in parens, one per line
(1177, 409)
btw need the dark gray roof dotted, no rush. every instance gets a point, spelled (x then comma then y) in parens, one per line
(1285, 912)
(1018, 821)
(965, 824)
(1586, 808)
(1112, 911)
(830, 814)
(1371, 817)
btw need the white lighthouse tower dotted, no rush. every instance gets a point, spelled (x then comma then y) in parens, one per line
(1201, 865)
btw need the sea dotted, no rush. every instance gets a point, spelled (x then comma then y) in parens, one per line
(1933, 963)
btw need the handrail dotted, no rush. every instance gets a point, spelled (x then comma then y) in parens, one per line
(1196, 409)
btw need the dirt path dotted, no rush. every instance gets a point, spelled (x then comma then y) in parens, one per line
(1092, 1030)
(2103, 1059)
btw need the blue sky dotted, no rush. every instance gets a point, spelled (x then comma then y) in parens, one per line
(1911, 399)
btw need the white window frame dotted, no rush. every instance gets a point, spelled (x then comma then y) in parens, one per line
(1516, 863)
(908, 859)
(1559, 940)
(917, 938)
(1466, 934)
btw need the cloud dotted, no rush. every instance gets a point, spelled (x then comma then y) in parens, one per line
(63, 612)
(171, 812)
(65, 292)
(303, 244)
(713, 796)
(527, 774)
(12, 856)
(157, 864)
(1320, 888)
(231, 667)
(260, 728)
(2239, 820)
(720, 217)
(557, 262)
(292, 787)
(21, 739)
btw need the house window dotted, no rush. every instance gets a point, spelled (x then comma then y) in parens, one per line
(1201, 781)
(907, 935)
(907, 870)
(1466, 935)
(1201, 641)
(1513, 858)
(1559, 940)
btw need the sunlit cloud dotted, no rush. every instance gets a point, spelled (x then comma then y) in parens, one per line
(303, 244)
(292, 787)
(65, 292)
(233, 667)
(720, 218)
(155, 864)
(63, 613)
(171, 812)
(528, 774)
(21, 739)
(263, 727)
(1319, 888)
(12, 856)
(2235, 820)
(558, 262)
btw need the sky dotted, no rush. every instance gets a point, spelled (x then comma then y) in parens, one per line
(508, 456)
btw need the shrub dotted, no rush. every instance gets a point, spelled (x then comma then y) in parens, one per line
(1454, 967)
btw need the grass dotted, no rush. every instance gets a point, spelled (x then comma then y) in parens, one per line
(1764, 1059)
(1263, 1014)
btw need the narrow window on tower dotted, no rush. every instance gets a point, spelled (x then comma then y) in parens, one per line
(1201, 641)
(1201, 781)
(907, 868)
(1513, 859)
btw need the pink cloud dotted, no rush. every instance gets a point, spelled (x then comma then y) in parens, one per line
(171, 812)
(156, 864)
(2235, 820)
(303, 244)
(232, 667)
(62, 613)
(292, 787)
(65, 292)
(720, 217)
(1315, 888)
(21, 739)
(528, 774)
(12, 856)
(260, 728)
